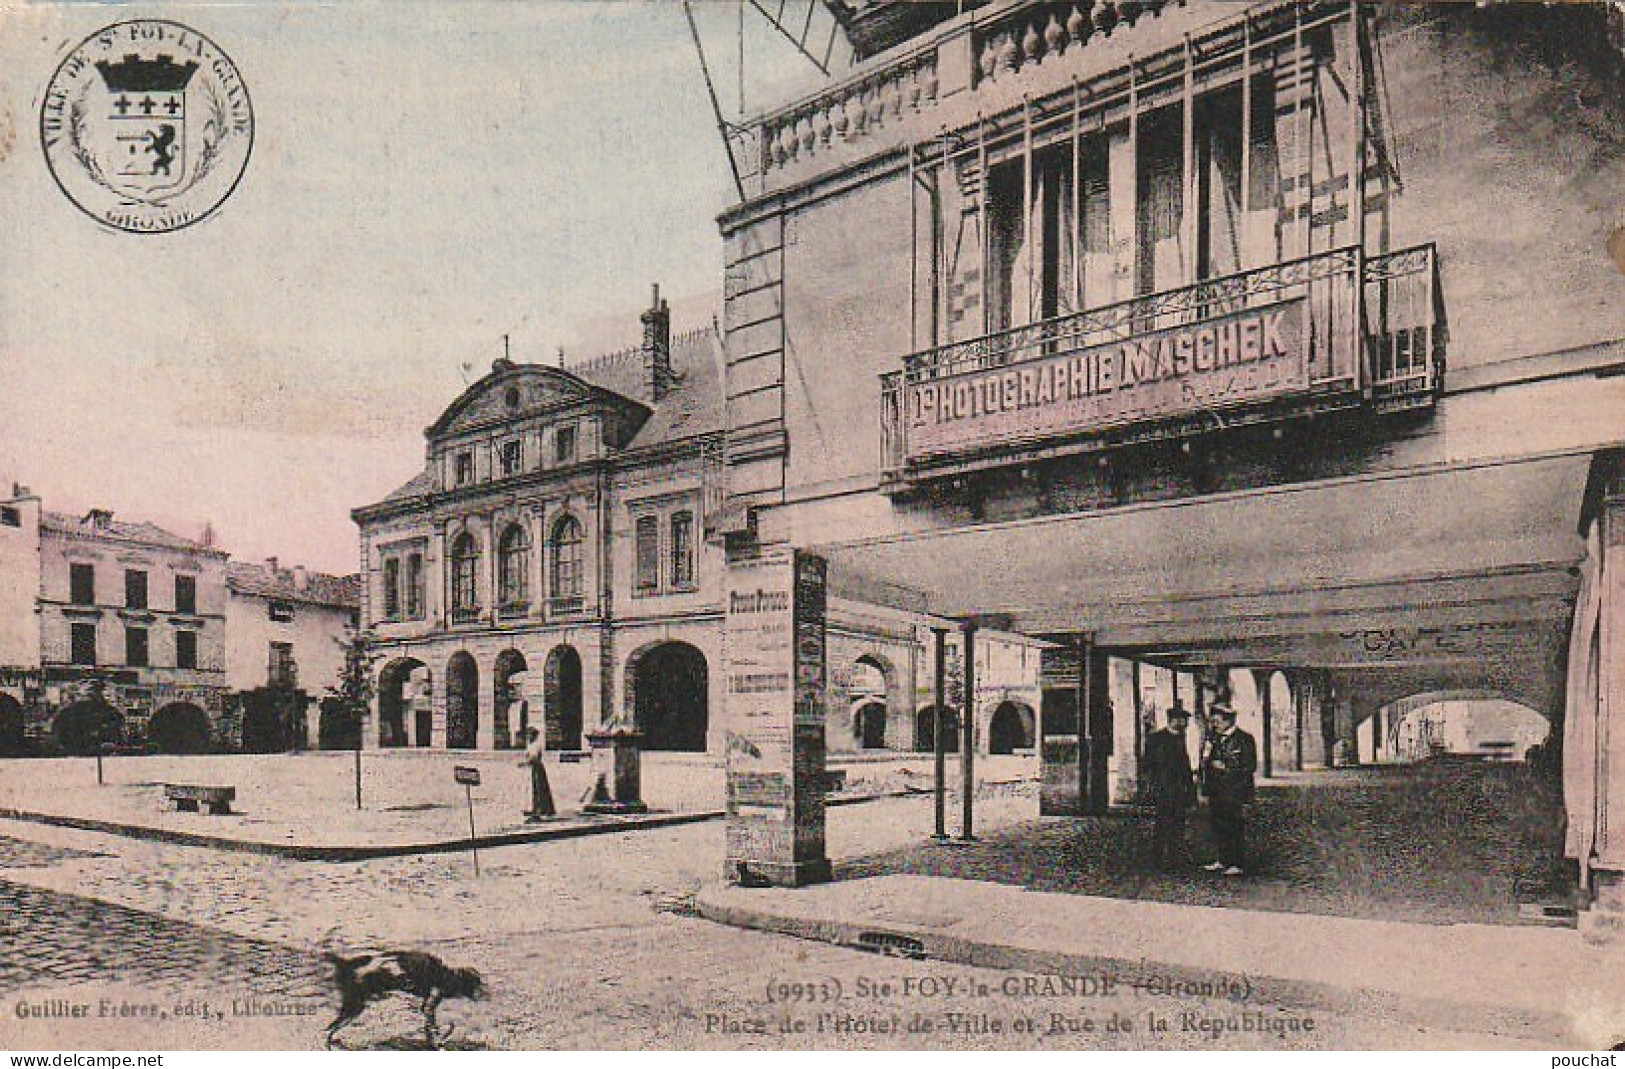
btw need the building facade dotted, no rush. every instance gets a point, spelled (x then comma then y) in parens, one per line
(285, 633)
(556, 563)
(19, 622)
(132, 622)
(1221, 346)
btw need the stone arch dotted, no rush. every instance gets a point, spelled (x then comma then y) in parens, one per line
(462, 701)
(13, 740)
(1534, 737)
(667, 693)
(180, 728)
(1011, 728)
(925, 727)
(507, 693)
(561, 698)
(398, 698)
(82, 727)
(869, 725)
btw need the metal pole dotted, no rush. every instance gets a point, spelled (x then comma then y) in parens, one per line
(939, 742)
(473, 847)
(967, 751)
(98, 766)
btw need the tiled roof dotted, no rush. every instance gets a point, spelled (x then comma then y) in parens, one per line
(144, 533)
(421, 483)
(282, 584)
(693, 408)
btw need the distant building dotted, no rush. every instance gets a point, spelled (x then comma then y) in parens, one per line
(285, 629)
(19, 623)
(556, 563)
(132, 635)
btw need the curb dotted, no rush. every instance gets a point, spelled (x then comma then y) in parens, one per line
(604, 825)
(307, 852)
(891, 938)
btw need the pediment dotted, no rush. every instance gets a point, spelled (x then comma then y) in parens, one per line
(520, 391)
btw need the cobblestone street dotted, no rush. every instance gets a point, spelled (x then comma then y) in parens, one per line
(583, 943)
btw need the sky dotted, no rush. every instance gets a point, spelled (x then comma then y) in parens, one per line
(425, 178)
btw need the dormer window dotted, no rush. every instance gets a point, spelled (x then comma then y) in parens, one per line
(463, 468)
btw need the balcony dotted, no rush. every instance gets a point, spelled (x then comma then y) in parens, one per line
(513, 610)
(569, 606)
(997, 59)
(466, 614)
(1251, 347)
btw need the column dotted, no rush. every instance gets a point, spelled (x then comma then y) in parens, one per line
(1345, 744)
(1604, 921)
(1127, 731)
(1266, 745)
(485, 713)
(1060, 790)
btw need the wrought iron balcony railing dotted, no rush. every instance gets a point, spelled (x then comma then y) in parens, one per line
(1395, 357)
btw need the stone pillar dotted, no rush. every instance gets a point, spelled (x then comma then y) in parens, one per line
(371, 727)
(775, 667)
(1097, 715)
(967, 743)
(1266, 745)
(1604, 921)
(1128, 736)
(1060, 792)
(1345, 745)
(437, 714)
(485, 713)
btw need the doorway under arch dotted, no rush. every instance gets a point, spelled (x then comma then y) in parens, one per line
(869, 725)
(180, 728)
(398, 698)
(925, 730)
(507, 697)
(1011, 728)
(462, 702)
(667, 692)
(84, 726)
(561, 698)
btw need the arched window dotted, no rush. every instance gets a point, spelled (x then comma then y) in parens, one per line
(513, 568)
(682, 549)
(565, 580)
(465, 577)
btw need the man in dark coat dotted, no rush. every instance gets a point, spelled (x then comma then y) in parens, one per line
(1173, 791)
(1228, 762)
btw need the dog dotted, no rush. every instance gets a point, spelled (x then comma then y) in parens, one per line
(369, 976)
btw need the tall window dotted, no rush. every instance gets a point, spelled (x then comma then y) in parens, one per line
(414, 586)
(564, 445)
(682, 549)
(565, 581)
(135, 589)
(464, 468)
(82, 581)
(513, 567)
(135, 647)
(647, 565)
(83, 638)
(186, 593)
(282, 671)
(392, 589)
(510, 457)
(465, 572)
(186, 649)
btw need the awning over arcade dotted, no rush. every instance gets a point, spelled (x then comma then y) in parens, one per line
(1446, 577)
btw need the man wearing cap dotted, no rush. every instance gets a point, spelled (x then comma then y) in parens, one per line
(1173, 791)
(1228, 762)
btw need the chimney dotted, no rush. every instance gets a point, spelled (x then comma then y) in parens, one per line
(657, 347)
(271, 563)
(301, 577)
(99, 519)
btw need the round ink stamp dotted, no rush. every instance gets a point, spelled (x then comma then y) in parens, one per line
(147, 126)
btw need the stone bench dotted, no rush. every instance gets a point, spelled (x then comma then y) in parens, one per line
(186, 797)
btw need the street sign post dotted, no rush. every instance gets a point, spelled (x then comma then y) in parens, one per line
(469, 778)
